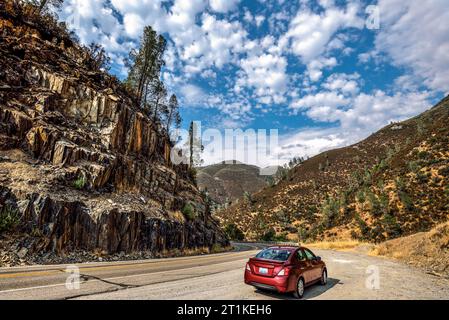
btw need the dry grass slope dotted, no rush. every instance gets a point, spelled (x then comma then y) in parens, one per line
(428, 250)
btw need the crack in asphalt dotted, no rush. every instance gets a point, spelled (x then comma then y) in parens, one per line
(125, 286)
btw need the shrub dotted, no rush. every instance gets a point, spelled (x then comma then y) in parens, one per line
(363, 226)
(270, 235)
(192, 173)
(234, 233)
(361, 196)
(414, 166)
(406, 201)
(248, 197)
(9, 218)
(80, 183)
(303, 234)
(217, 248)
(189, 211)
(391, 226)
(282, 237)
(330, 209)
(444, 171)
(422, 178)
(375, 205)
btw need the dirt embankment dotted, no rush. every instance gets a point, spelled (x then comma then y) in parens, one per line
(427, 250)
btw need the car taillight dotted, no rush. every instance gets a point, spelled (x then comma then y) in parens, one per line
(248, 267)
(284, 272)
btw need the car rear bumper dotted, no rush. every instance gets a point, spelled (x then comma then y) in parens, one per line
(278, 284)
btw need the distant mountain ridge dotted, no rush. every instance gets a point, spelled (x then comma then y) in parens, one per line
(228, 181)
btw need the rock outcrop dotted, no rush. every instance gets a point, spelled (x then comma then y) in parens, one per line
(82, 166)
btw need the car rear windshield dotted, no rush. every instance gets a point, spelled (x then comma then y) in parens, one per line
(274, 254)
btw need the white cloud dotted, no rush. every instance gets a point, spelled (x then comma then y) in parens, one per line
(223, 6)
(192, 94)
(309, 142)
(344, 83)
(315, 67)
(266, 74)
(310, 32)
(259, 20)
(415, 34)
(363, 113)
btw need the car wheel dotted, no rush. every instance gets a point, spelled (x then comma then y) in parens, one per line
(300, 287)
(324, 277)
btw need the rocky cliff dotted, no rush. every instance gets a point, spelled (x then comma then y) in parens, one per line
(81, 167)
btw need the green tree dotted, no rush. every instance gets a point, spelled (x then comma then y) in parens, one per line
(269, 235)
(157, 94)
(234, 233)
(98, 59)
(189, 212)
(391, 226)
(171, 114)
(145, 66)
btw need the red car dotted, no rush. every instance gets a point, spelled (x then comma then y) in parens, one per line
(285, 269)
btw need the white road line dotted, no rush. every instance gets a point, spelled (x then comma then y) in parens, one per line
(116, 278)
(342, 261)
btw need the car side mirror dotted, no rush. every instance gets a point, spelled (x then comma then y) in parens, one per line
(318, 259)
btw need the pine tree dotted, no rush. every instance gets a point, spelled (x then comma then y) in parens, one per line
(171, 113)
(145, 67)
(158, 96)
(99, 60)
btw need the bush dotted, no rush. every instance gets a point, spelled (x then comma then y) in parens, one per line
(270, 235)
(234, 233)
(423, 155)
(414, 166)
(406, 201)
(189, 212)
(248, 198)
(444, 171)
(9, 218)
(391, 226)
(363, 226)
(217, 248)
(80, 183)
(330, 209)
(303, 234)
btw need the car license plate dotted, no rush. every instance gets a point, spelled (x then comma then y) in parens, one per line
(263, 270)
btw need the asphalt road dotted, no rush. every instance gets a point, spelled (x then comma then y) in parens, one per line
(218, 276)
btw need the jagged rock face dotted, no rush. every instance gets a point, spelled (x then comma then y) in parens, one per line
(69, 225)
(84, 167)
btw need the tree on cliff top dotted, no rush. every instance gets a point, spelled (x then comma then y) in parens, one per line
(145, 66)
(171, 114)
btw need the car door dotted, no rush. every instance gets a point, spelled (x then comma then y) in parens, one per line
(304, 266)
(315, 265)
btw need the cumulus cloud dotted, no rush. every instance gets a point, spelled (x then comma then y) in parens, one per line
(223, 6)
(266, 74)
(310, 32)
(415, 35)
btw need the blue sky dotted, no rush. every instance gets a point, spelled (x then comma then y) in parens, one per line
(311, 69)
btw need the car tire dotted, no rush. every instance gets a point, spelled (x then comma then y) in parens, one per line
(300, 288)
(323, 277)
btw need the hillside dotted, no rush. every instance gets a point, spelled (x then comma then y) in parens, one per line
(395, 183)
(229, 181)
(81, 167)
